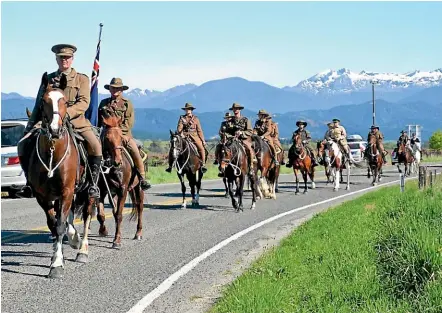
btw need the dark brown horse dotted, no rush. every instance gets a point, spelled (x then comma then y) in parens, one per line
(50, 161)
(185, 159)
(116, 182)
(405, 157)
(234, 165)
(325, 160)
(269, 171)
(374, 159)
(302, 162)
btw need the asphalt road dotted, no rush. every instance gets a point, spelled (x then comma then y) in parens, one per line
(116, 280)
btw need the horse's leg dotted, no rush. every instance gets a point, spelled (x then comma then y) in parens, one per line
(256, 184)
(62, 207)
(73, 235)
(253, 188)
(232, 195)
(183, 191)
(225, 185)
(348, 176)
(198, 188)
(137, 196)
(51, 221)
(101, 217)
(368, 172)
(83, 254)
(304, 176)
(311, 173)
(118, 216)
(375, 174)
(337, 180)
(296, 180)
(242, 182)
(192, 181)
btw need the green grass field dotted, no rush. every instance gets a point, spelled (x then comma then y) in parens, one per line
(379, 253)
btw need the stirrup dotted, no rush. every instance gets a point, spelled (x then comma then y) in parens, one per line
(94, 191)
(169, 170)
(144, 184)
(203, 169)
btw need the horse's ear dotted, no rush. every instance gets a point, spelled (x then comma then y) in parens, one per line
(171, 134)
(28, 113)
(63, 82)
(45, 80)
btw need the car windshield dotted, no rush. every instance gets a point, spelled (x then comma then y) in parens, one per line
(354, 145)
(11, 135)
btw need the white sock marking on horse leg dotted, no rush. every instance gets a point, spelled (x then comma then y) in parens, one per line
(58, 253)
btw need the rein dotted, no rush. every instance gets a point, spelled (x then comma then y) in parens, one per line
(51, 151)
(236, 169)
(175, 163)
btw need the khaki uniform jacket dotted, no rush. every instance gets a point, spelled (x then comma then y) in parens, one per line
(339, 133)
(191, 126)
(122, 107)
(263, 128)
(241, 124)
(379, 137)
(305, 134)
(77, 93)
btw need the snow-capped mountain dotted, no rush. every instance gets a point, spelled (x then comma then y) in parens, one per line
(346, 81)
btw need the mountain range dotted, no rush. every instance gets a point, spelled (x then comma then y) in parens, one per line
(401, 99)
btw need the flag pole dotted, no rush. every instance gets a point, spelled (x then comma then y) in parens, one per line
(92, 111)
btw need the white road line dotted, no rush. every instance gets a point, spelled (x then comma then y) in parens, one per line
(165, 285)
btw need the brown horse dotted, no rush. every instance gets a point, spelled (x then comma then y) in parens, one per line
(301, 161)
(323, 154)
(374, 159)
(234, 166)
(49, 158)
(269, 171)
(404, 156)
(116, 182)
(187, 162)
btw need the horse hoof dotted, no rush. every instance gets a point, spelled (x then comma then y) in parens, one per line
(335, 189)
(82, 258)
(138, 237)
(56, 272)
(305, 191)
(374, 184)
(253, 206)
(347, 188)
(296, 192)
(276, 190)
(226, 195)
(76, 245)
(103, 233)
(116, 245)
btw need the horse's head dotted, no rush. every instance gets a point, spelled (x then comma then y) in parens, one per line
(113, 137)
(298, 143)
(226, 155)
(53, 105)
(176, 144)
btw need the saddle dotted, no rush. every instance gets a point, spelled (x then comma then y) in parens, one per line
(194, 148)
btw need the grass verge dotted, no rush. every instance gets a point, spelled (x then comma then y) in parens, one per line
(158, 175)
(379, 253)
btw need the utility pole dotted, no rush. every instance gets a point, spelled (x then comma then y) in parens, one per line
(373, 82)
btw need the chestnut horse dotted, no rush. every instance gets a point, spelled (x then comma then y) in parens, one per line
(119, 179)
(404, 156)
(323, 153)
(269, 171)
(374, 159)
(185, 159)
(302, 162)
(50, 162)
(234, 166)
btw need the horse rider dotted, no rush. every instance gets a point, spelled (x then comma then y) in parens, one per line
(339, 135)
(404, 139)
(77, 93)
(123, 107)
(222, 133)
(415, 142)
(275, 137)
(374, 130)
(189, 125)
(327, 135)
(263, 128)
(241, 127)
(305, 137)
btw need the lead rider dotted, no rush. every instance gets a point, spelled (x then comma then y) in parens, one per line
(78, 97)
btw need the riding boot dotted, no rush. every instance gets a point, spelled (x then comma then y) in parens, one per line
(383, 158)
(94, 163)
(313, 158)
(275, 159)
(202, 152)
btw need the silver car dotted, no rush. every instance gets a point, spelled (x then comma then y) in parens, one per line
(13, 178)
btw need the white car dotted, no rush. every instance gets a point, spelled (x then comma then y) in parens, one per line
(357, 147)
(13, 178)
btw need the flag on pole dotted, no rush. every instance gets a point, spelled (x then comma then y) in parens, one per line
(92, 111)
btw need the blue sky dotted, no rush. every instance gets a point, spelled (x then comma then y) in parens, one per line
(158, 45)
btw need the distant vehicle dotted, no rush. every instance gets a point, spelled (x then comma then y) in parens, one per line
(13, 178)
(357, 147)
